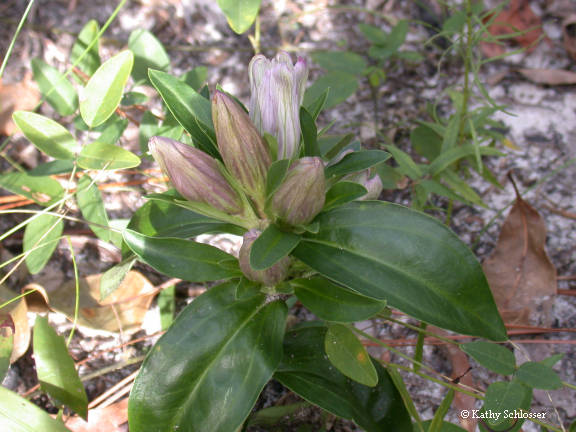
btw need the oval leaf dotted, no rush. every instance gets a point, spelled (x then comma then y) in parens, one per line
(272, 245)
(356, 161)
(42, 190)
(347, 353)
(55, 87)
(494, 357)
(184, 259)
(240, 13)
(207, 371)
(103, 92)
(44, 231)
(92, 207)
(342, 193)
(333, 303)
(90, 61)
(505, 396)
(389, 252)
(306, 371)
(538, 375)
(342, 85)
(56, 371)
(101, 156)
(148, 53)
(47, 135)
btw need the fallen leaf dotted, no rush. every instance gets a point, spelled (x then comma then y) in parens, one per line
(112, 418)
(123, 310)
(569, 35)
(521, 276)
(549, 76)
(23, 95)
(18, 312)
(519, 17)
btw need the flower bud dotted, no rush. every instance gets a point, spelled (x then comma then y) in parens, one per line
(195, 175)
(270, 276)
(301, 195)
(243, 150)
(373, 185)
(277, 90)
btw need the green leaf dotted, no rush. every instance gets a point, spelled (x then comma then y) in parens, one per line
(438, 420)
(356, 161)
(342, 85)
(405, 162)
(306, 371)
(47, 135)
(44, 231)
(448, 157)
(406, 398)
(104, 90)
(276, 174)
(444, 427)
(426, 142)
(450, 138)
(344, 61)
(162, 219)
(148, 53)
(505, 396)
(271, 246)
(113, 277)
(316, 107)
(240, 13)
(494, 357)
(342, 193)
(166, 306)
(56, 371)
(133, 98)
(552, 360)
(309, 133)
(91, 60)
(392, 43)
(349, 356)
(42, 190)
(102, 156)
(461, 187)
(7, 329)
(92, 207)
(331, 145)
(196, 77)
(55, 88)
(373, 34)
(190, 108)
(184, 259)
(333, 303)
(389, 252)
(207, 371)
(19, 415)
(52, 168)
(115, 127)
(538, 375)
(435, 187)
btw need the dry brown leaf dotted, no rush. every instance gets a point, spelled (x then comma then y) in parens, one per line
(112, 418)
(123, 310)
(519, 17)
(569, 35)
(19, 314)
(549, 76)
(23, 95)
(521, 276)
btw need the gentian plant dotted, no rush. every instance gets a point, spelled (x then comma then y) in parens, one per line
(312, 236)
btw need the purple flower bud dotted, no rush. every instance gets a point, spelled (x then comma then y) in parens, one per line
(195, 175)
(243, 150)
(277, 89)
(270, 276)
(373, 185)
(302, 194)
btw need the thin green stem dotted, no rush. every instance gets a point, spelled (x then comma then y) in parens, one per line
(13, 41)
(77, 291)
(467, 67)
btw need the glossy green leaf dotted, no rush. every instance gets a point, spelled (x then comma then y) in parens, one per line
(196, 77)
(349, 356)
(207, 371)
(538, 375)
(389, 252)
(357, 161)
(271, 246)
(44, 231)
(184, 259)
(90, 61)
(344, 61)
(505, 396)
(104, 90)
(343, 192)
(148, 53)
(240, 13)
(19, 415)
(405, 162)
(162, 219)
(56, 371)
(102, 156)
(331, 302)
(190, 108)
(331, 145)
(42, 190)
(92, 207)
(453, 155)
(55, 87)
(166, 305)
(47, 135)
(113, 277)
(306, 371)
(494, 357)
(7, 329)
(309, 133)
(342, 85)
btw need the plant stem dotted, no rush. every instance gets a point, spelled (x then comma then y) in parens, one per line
(13, 41)
(467, 66)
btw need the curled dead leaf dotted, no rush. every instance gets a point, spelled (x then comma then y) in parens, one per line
(549, 76)
(20, 96)
(521, 276)
(18, 312)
